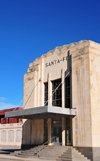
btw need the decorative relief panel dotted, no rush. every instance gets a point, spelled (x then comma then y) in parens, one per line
(3, 136)
(18, 136)
(10, 136)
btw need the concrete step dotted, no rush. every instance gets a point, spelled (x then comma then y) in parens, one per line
(65, 159)
(25, 156)
(57, 153)
(31, 152)
(46, 158)
(73, 156)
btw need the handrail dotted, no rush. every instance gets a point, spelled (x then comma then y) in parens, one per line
(54, 137)
(49, 140)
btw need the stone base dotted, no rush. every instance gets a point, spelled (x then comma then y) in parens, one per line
(92, 153)
(86, 151)
(96, 153)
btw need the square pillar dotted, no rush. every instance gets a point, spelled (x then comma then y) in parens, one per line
(49, 131)
(49, 90)
(63, 130)
(49, 104)
(63, 87)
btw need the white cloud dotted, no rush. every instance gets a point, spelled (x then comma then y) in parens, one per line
(2, 98)
(4, 105)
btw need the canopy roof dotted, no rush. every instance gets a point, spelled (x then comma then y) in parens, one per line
(41, 112)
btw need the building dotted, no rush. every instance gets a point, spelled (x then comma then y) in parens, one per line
(4, 120)
(10, 129)
(72, 111)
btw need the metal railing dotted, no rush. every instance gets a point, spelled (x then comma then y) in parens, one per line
(41, 147)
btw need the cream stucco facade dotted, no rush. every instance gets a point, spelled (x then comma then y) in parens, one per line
(85, 57)
(82, 61)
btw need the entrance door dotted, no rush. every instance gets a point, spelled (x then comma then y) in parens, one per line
(57, 128)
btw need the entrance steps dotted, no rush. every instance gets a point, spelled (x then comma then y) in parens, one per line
(27, 153)
(56, 153)
(72, 155)
(52, 152)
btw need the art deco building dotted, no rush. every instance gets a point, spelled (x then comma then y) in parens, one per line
(62, 98)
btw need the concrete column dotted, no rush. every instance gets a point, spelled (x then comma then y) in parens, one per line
(41, 131)
(42, 82)
(71, 131)
(35, 90)
(63, 130)
(38, 129)
(63, 87)
(49, 130)
(38, 87)
(34, 131)
(49, 90)
(49, 104)
(30, 131)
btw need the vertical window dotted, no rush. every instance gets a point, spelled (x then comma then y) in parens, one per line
(57, 96)
(45, 94)
(67, 92)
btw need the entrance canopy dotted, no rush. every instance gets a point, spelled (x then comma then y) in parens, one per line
(41, 112)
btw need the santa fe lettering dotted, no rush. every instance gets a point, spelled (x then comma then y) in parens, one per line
(56, 62)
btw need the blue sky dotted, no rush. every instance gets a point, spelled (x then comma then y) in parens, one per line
(30, 28)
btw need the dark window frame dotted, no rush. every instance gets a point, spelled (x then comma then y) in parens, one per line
(68, 92)
(57, 96)
(46, 93)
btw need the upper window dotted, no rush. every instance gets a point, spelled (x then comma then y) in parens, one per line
(57, 96)
(67, 92)
(45, 94)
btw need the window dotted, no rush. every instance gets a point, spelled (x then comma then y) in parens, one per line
(67, 92)
(57, 96)
(45, 94)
